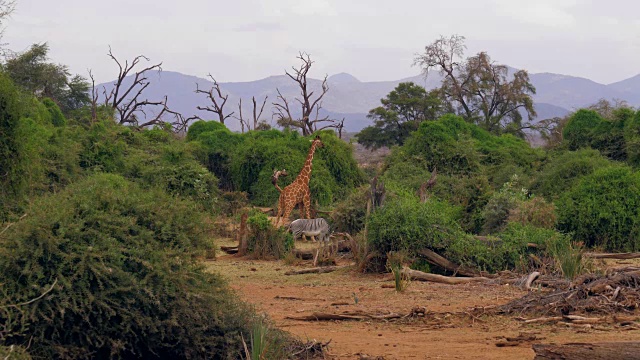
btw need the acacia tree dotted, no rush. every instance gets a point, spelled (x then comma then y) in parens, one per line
(482, 91)
(125, 99)
(32, 71)
(310, 120)
(402, 111)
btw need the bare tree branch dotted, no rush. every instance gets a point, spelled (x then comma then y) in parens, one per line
(307, 102)
(119, 97)
(94, 98)
(217, 99)
(256, 117)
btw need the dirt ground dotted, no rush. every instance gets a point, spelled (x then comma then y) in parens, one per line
(445, 332)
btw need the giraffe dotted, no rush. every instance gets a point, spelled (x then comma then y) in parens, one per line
(298, 191)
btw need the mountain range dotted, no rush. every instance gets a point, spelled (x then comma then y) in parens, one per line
(350, 98)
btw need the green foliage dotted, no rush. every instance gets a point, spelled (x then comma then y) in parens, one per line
(245, 162)
(11, 182)
(402, 111)
(579, 129)
(265, 241)
(496, 212)
(14, 353)
(564, 169)
(536, 212)
(395, 263)
(568, 257)
(349, 214)
(32, 72)
(57, 118)
(603, 209)
(632, 139)
(202, 126)
(406, 224)
(127, 280)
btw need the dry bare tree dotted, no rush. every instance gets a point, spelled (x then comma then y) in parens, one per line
(180, 124)
(126, 99)
(244, 123)
(309, 105)
(94, 98)
(217, 100)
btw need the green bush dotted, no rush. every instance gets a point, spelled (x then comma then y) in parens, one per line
(579, 130)
(496, 211)
(632, 139)
(603, 209)
(564, 170)
(57, 118)
(127, 281)
(245, 162)
(349, 214)
(534, 211)
(265, 241)
(406, 224)
(202, 126)
(11, 182)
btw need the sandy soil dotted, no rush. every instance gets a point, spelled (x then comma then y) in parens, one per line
(445, 332)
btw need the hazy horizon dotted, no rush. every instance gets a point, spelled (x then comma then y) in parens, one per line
(371, 40)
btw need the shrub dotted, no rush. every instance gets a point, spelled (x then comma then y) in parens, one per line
(57, 118)
(265, 241)
(248, 167)
(579, 130)
(11, 181)
(536, 212)
(496, 212)
(603, 209)
(568, 257)
(632, 139)
(127, 283)
(564, 169)
(406, 224)
(349, 215)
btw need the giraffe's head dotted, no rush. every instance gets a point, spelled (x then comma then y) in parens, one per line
(318, 142)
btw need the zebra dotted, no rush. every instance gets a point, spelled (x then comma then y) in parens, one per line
(310, 227)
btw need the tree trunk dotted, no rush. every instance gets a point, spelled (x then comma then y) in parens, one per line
(243, 235)
(421, 276)
(591, 351)
(442, 262)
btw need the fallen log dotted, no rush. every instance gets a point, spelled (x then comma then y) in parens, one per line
(316, 270)
(354, 315)
(591, 351)
(421, 276)
(543, 320)
(619, 256)
(444, 263)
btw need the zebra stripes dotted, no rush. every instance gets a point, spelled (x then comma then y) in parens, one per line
(310, 227)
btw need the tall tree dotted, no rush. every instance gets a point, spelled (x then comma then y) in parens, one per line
(402, 111)
(484, 93)
(32, 71)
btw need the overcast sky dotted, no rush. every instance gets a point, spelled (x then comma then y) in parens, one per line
(245, 40)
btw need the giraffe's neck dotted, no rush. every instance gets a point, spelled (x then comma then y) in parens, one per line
(305, 173)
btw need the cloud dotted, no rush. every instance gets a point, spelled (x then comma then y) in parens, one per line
(551, 13)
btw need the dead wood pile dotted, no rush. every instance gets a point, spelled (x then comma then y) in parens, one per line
(615, 292)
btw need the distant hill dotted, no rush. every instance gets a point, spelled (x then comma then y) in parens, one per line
(350, 98)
